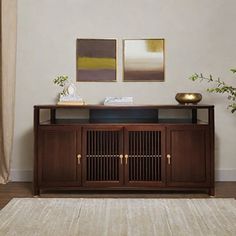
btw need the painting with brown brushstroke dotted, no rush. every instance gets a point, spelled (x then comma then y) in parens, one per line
(143, 60)
(96, 60)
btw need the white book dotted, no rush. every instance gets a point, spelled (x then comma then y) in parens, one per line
(118, 101)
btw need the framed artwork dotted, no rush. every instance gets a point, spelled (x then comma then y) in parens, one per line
(96, 60)
(144, 60)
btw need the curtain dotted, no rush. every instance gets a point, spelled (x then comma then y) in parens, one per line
(7, 84)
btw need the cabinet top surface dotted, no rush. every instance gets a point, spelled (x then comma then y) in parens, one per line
(94, 106)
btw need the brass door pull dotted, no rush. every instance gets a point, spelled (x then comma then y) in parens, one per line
(121, 159)
(168, 158)
(78, 157)
(126, 159)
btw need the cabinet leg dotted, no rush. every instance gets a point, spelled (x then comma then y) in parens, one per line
(212, 192)
(36, 191)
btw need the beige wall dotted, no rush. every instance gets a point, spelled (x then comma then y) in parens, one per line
(200, 37)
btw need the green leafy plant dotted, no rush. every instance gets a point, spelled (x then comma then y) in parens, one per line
(62, 80)
(220, 87)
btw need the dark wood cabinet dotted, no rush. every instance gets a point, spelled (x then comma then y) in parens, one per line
(102, 156)
(188, 154)
(144, 152)
(124, 148)
(59, 156)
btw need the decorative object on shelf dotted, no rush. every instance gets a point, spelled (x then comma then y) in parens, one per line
(143, 60)
(118, 101)
(188, 98)
(96, 60)
(68, 96)
(220, 87)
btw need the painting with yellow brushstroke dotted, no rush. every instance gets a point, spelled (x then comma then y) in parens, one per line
(96, 59)
(143, 60)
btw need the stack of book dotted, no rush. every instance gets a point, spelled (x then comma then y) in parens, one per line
(70, 100)
(118, 101)
(72, 103)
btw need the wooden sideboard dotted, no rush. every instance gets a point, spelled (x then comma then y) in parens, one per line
(146, 147)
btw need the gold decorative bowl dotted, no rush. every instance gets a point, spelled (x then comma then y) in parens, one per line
(188, 98)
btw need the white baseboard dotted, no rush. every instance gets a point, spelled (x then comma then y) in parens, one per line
(225, 175)
(21, 175)
(27, 175)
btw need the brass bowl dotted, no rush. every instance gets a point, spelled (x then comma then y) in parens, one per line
(188, 98)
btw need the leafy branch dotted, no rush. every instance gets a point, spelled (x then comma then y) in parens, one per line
(220, 87)
(62, 80)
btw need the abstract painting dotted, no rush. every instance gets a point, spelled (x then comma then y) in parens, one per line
(143, 59)
(96, 60)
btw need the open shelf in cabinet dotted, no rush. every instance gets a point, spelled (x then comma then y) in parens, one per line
(149, 114)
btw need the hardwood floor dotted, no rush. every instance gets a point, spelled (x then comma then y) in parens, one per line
(19, 189)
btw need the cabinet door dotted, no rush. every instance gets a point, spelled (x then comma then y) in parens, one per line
(102, 160)
(144, 152)
(57, 151)
(188, 161)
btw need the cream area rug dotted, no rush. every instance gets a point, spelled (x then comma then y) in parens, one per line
(108, 217)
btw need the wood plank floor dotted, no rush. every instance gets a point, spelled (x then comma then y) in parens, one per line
(19, 189)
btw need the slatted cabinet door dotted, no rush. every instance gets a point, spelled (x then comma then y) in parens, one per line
(59, 150)
(144, 156)
(103, 156)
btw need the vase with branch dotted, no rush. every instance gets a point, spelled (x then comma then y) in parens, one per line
(69, 95)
